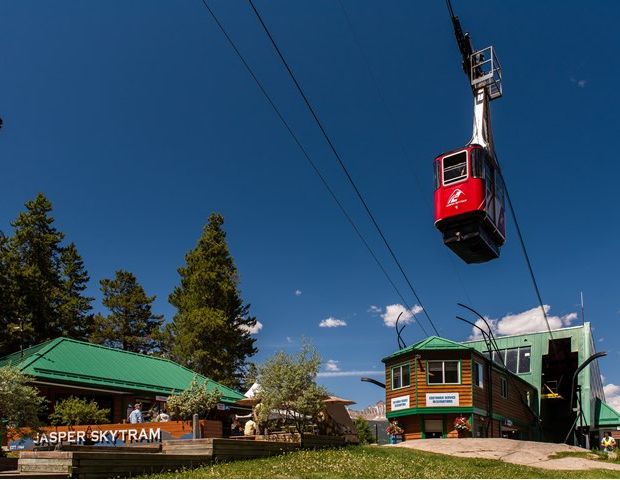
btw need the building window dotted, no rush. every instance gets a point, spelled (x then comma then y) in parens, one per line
(516, 360)
(503, 387)
(444, 372)
(401, 376)
(525, 354)
(478, 375)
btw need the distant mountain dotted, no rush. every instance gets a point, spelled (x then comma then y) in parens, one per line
(372, 412)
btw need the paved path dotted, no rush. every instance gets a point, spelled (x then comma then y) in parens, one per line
(532, 454)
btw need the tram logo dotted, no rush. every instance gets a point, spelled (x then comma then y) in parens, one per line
(456, 198)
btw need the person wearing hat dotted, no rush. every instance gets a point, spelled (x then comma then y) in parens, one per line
(136, 415)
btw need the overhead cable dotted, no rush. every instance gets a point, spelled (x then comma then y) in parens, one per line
(310, 161)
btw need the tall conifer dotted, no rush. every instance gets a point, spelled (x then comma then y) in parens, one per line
(212, 326)
(42, 282)
(131, 324)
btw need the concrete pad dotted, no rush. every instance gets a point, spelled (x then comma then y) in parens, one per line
(532, 454)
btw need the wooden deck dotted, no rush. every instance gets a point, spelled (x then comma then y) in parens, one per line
(106, 462)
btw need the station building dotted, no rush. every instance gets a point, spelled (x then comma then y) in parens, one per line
(548, 361)
(432, 382)
(114, 378)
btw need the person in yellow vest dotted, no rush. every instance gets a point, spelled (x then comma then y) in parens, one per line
(608, 444)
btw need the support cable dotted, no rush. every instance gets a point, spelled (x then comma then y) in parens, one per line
(310, 161)
(340, 162)
(392, 123)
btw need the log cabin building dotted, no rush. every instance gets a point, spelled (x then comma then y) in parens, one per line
(115, 379)
(432, 382)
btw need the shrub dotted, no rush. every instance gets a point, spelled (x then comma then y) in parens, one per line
(77, 411)
(195, 399)
(364, 432)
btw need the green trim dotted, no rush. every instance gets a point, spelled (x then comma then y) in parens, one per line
(480, 411)
(400, 365)
(430, 343)
(497, 416)
(422, 426)
(415, 367)
(428, 411)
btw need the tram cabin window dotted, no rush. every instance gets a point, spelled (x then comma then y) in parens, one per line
(455, 168)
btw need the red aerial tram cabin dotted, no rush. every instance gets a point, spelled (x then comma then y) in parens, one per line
(469, 203)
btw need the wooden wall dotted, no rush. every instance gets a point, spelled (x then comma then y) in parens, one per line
(464, 389)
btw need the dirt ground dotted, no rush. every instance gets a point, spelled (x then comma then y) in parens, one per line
(533, 454)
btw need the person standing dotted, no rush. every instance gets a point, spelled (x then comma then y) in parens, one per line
(136, 415)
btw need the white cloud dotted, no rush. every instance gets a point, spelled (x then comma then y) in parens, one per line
(289, 340)
(580, 83)
(252, 330)
(393, 311)
(529, 321)
(297, 293)
(332, 366)
(350, 373)
(373, 309)
(612, 396)
(332, 322)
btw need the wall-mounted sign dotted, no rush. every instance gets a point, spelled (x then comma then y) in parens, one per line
(96, 436)
(507, 422)
(161, 398)
(399, 403)
(442, 399)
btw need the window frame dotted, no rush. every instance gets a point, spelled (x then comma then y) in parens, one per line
(459, 179)
(443, 372)
(503, 389)
(504, 353)
(400, 366)
(478, 374)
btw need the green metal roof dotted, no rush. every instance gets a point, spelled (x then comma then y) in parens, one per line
(605, 415)
(430, 343)
(71, 361)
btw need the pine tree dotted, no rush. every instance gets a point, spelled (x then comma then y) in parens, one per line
(131, 324)
(75, 321)
(41, 282)
(36, 244)
(211, 329)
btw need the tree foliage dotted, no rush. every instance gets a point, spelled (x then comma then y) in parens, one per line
(195, 399)
(20, 403)
(131, 324)
(288, 383)
(364, 432)
(42, 282)
(211, 330)
(77, 411)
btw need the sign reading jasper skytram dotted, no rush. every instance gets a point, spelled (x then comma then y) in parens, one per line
(97, 436)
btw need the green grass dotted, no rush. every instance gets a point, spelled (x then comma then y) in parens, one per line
(376, 462)
(593, 455)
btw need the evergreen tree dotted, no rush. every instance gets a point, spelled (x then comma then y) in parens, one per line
(41, 282)
(75, 320)
(211, 329)
(131, 324)
(36, 244)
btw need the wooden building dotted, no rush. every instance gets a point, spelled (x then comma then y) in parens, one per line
(115, 379)
(434, 381)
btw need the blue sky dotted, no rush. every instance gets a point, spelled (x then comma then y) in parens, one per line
(137, 120)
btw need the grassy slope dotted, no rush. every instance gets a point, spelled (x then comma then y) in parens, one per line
(377, 462)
